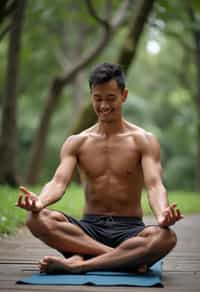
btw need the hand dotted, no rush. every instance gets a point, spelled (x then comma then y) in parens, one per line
(29, 201)
(169, 216)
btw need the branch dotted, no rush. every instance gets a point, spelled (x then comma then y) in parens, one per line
(118, 19)
(88, 57)
(195, 31)
(135, 29)
(93, 13)
(108, 8)
(6, 10)
(91, 54)
(196, 37)
(5, 31)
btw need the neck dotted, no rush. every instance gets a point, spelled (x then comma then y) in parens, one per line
(111, 128)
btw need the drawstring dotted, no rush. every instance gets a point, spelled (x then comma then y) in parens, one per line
(107, 219)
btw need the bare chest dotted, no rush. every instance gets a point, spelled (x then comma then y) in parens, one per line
(118, 157)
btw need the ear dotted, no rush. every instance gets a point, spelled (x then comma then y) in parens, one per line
(124, 95)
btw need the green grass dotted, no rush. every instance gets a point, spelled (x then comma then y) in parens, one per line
(188, 202)
(72, 203)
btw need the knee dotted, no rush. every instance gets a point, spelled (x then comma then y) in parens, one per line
(172, 239)
(165, 238)
(40, 223)
(35, 220)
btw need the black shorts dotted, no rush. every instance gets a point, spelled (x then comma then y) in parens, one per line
(109, 230)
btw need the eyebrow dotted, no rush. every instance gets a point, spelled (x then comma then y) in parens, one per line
(109, 94)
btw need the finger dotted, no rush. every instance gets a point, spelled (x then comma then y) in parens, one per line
(34, 204)
(172, 216)
(179, 215)
(167, 215)
(25, 190)
(42, 266)
(165, 221)
(173, 205)
(169, 212)
(172, 212)
(20, 202)
(28, 201)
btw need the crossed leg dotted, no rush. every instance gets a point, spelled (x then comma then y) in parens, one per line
(152, 244)
(56, 231)
(146, 248)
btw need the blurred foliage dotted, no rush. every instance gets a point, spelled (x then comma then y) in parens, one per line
(161, 84)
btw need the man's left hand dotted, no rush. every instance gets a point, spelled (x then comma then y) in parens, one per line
(169, 216)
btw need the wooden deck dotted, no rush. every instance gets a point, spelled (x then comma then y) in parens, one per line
(20, 253)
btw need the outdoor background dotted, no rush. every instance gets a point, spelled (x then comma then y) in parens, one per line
(48, 48)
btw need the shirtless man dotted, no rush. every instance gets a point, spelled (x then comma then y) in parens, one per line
(116, 160)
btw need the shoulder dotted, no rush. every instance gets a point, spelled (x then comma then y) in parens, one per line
(145, 141)
(73, 143)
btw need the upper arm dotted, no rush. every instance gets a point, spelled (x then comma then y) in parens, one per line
(68, 161)
(151, 164)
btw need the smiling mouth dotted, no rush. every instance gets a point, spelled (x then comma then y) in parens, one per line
(105, 113)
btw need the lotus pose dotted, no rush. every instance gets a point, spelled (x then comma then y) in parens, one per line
(116, 160)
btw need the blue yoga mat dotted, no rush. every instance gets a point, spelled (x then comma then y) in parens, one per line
(103, 278)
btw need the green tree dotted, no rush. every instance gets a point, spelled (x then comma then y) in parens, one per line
(7, 7)
(8, 141)
(195, 32)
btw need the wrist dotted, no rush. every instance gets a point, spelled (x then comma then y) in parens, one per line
(39, 205)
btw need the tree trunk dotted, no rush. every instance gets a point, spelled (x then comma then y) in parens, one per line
(59, 83)
(197, 102)
(126, 56)
(196, 37)
(136, 27)
(78, 82)
(9, 125)
(39, 144)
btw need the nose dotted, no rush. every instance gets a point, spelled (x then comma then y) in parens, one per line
(104, 105)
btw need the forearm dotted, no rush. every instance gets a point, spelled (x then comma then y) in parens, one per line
(51, 193)
(158, 199)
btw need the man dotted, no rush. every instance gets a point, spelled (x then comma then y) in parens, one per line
(116, 160)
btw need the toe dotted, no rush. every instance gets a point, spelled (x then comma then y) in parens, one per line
(42, 266)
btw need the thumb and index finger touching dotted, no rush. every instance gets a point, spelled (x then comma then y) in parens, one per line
(25, 191)
(175, 211)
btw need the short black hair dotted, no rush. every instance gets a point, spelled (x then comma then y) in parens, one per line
(106, 72)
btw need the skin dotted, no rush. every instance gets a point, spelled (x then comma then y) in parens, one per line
(127, 159)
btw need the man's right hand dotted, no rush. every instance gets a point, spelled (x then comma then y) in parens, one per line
(29, 201)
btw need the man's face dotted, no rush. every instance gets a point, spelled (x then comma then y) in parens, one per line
(107, 99)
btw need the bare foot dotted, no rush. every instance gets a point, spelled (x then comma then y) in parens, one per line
(139, 270)
(142, 269)
(57, 265)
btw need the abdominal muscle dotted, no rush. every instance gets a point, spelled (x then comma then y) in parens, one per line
(114, 196)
